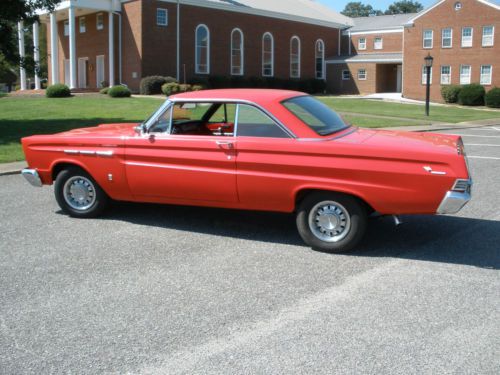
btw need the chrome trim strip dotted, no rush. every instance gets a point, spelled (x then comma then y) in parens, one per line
(429, 169)
(71, 152)
(86, 152)
(454, 201)
(31, 175)
(106, 153)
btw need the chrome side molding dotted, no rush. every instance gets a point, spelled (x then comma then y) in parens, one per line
(31, 175)
(107, 153)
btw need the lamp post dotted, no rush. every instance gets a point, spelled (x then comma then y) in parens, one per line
(428, 65)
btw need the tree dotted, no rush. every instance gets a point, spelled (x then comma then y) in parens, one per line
(11, 12)
(404, 6)
(358, 9)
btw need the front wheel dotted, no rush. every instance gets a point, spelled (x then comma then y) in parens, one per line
(78, 194)
(331, 222)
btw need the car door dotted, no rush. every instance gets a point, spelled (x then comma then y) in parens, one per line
(163, 165)
(267, 162)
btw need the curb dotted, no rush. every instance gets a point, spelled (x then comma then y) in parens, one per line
(8, 173)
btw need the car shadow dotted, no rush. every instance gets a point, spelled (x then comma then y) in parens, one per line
(446, 239)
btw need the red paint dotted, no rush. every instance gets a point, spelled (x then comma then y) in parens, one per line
(384, 168)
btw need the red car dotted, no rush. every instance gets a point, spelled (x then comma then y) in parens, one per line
(248, 149)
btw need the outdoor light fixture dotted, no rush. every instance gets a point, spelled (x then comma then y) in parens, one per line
(428, 65)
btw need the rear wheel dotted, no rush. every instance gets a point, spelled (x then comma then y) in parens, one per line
(78, 194)
(331, 222)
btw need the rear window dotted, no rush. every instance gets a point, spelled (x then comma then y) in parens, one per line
(315, 114)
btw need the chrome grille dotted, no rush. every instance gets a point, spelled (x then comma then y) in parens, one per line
(461, 185)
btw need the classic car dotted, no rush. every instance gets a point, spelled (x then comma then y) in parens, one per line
(269, 150)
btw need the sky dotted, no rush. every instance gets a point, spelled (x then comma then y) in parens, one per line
(339, 5)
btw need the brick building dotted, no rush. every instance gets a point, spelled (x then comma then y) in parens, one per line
(115, 41)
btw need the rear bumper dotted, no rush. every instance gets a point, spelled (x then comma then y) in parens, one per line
(31, 175)
(454, 201)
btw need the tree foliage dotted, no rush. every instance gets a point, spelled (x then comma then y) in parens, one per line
(11, 12)
(404, 6)
(358, 9)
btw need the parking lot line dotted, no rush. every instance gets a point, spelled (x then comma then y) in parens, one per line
(481, 136)
(481, 144)
(482, 157)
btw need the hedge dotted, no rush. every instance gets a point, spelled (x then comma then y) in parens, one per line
(450, 93)
(58, 91)
(119, 92)
(104, 91)
(492, 98)
(472, 94)
(170, 88)
(152, 85)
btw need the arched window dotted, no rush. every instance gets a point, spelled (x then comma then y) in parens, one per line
(295, 57)
(320, 59)
(267, 55)
(237, 45)
(202, 50)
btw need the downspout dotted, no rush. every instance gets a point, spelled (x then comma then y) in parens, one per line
(349, 42)
(178, 42)
(119, 46)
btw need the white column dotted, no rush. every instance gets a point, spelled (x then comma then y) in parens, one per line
(36, 53)
(22, 71)
(54, 49)
(111, 51)
(72, 49)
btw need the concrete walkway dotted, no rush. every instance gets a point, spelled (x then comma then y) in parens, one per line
(12, 168)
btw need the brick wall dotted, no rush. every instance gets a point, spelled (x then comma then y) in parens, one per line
(337, 85)
(473, 14)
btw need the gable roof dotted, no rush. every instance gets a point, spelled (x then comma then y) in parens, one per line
(306, 11)
(492, 3)
(392, 21)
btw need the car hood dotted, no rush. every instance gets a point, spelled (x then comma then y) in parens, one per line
(106, 130)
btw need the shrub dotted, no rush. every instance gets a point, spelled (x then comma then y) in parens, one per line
(185, 87)
(104, 84)
(472, 94)
(492, 98)
(170, 88)
(450, 93)
(104, 91)
(197, 88)
(152, 85)
(119, 92)
(58, 91)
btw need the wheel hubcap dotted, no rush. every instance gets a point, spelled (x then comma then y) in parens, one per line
(329, 221)
(79, 193)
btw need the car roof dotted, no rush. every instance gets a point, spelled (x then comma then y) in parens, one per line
(258, 96)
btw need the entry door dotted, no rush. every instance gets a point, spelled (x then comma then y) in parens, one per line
(82, 72)
(399, 78)
(67, 78)
(182, 168)
(99, 67)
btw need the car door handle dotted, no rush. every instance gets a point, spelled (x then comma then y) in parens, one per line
(223, 144)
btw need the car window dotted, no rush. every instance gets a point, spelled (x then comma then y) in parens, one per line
(225, 113)
(252, 122)
(162, 123)
(315, 114)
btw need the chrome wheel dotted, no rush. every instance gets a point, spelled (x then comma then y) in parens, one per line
(79, 193)
(329, 221)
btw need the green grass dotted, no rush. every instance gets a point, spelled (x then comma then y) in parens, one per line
(23, 116)
(371, 122)
(414, 111)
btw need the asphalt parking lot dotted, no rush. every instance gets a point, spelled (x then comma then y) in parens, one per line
(178, 290)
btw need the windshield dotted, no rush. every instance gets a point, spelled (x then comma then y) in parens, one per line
(315, 114)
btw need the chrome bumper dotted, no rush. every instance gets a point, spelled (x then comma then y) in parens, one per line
(31, 175)
(453, 201)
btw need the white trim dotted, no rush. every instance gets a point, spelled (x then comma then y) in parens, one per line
(322, 59)
(272, 54)
(348, 61)
(72, 49)
(492, 36)
(371, 31)
(375, 43)
(411, 21)
(22, 70)
(349, 74)
(451, 37)
(82, 73)
(80, 28)
(36, 53)
(295, 37)
(242, 53)
(441, 75)
(98, 5)
(97, 65)
(111, 49)
(197, 71)
(366, 74)
(490, 4)
(101, 14)
(471, 36)
(54, 49)
(359, 43)
(258, 12)
(468, 77)
(488, 82)
(166, 17)
(424, 39)
(424, 75)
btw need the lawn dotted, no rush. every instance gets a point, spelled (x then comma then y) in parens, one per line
(22, 116)
(413, 111)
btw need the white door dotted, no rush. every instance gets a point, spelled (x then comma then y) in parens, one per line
(82, 73)
(99, 68)
(66, 72)
(399, 78)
